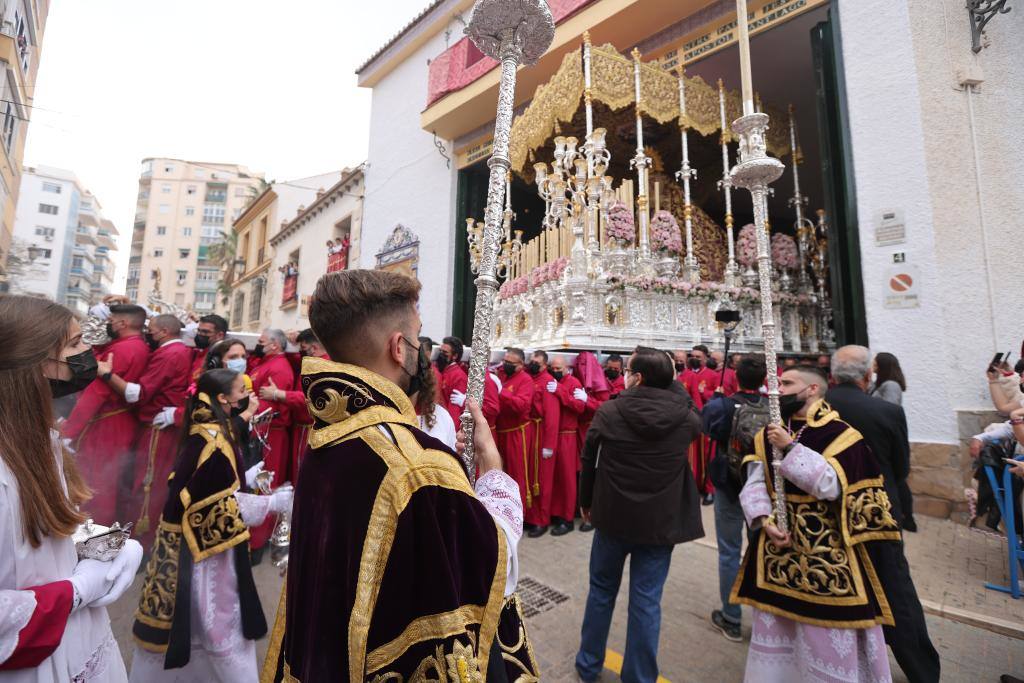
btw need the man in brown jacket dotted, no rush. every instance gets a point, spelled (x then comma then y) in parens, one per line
(637, 489)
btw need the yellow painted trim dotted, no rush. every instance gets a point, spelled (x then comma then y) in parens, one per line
(613, 662)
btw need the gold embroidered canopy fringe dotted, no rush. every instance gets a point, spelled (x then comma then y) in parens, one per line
(612, 84)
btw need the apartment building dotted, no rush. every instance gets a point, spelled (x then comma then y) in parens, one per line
(62, 243)
(180, 218)
(21, 39)
(253, 285)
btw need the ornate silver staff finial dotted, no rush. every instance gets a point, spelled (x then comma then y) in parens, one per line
(754, 172)
(513, 33)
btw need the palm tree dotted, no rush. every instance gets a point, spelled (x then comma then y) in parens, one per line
(222, 254)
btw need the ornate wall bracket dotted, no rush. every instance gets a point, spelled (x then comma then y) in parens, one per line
(980, 13)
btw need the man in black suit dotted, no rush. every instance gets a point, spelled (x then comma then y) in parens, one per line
(884, 427)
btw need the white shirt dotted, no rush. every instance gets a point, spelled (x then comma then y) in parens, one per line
(443, 429)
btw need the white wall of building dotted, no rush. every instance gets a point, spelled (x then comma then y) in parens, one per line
(912, 151)
(50, 275)
(407, 182)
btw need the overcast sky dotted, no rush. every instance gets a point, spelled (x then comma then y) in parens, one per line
(269, 85)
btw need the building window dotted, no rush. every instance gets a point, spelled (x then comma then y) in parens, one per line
(166, 189)
(10, 129)
(186, 232)
(77, 262)
(165, 208)
(132, 293)
(237, 308)
(256, 302)
(157, 253)
(46, 232)
(46, 253)
(48, 208)
(161, 230)
(213, 214)
(190, 211)
(52, 187)
(182, 276)
(169, 168)
(183, 253)
(205, 300)
(206, 276)
(191, 189)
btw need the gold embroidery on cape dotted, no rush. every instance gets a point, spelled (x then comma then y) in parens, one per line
(428, 627)
(276, 639)
(387, 388)
(868, 513)
(156, 604)
(527, 672)
(461, 665)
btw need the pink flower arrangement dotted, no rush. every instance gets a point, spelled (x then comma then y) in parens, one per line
(685, 289)
(784, 252)
(665, 235)
(620, 223)
(746, 245)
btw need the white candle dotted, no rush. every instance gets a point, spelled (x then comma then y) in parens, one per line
(744, 40)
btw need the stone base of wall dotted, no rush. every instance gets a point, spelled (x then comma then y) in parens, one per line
(940, 472)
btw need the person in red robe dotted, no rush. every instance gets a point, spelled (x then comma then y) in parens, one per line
(727, 376)
(453, 380)
(544, 415)
(613, 373)
(102, 426)
(275, 369)
(295, 399)
(158, 393)
(492, 404)
(572, 402)
(702, 384)
(212, 329)
(515, 431)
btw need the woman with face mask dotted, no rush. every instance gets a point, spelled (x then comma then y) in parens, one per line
(53, 618)
(199, 614)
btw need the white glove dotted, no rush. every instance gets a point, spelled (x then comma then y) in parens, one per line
(122, 571)
(458, 398)
(546, 453)
(579, 395)
(281, 500)
(552, 385)
(90, 582)
(165, 418)
(250, 475)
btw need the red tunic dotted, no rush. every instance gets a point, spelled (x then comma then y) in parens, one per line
(198, 361)
(618, 385)
(567, 455)
(595, 398)
(163, 385)
(730, 385)
(544, 416)
(515, 431)
(491, 406)
(295, 399)
(453, 379)
(102, 428)
(277, 455)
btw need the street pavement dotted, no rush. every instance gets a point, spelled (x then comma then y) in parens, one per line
(983, 639)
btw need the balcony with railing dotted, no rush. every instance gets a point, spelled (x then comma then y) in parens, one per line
(290, 291)
(337, 256)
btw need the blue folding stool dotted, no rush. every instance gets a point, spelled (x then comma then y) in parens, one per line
(1015, 551)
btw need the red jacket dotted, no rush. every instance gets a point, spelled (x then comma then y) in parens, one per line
(198, 361)
(546, 409)
(295, 397)
(492, 404)
(166, 380)
(618, 385)
(571, 408)
(131, 355)
(454, 379)
(515, 400)
(277, 368)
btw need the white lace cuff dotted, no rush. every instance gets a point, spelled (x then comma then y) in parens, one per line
(754, 498)
(499, 493)
(809, 470)
(16, 609)
(254, 508)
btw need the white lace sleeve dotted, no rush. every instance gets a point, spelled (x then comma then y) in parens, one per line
(16, 608)
(754, 498)
(254, 508)
(499, 493)
(808, 470)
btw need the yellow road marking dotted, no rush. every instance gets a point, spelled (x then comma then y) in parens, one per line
(613, 662)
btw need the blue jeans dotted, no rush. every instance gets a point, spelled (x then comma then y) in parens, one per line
(648, 569)
(729, 523)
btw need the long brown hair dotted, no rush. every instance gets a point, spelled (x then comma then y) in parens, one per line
(31, 331)
(889, 368)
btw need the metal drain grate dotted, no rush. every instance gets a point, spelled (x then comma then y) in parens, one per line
(537, 597)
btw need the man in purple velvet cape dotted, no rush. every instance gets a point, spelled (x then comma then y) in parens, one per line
(398, 569)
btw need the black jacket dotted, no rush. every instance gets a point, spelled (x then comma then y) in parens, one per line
(884, 427)
(636, 476)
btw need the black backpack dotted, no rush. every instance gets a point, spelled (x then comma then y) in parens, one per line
(747, 420)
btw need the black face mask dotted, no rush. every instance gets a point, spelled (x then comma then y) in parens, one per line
(242, 406)
(422, 368)
(152, 343)
(712, 364)
(83, 371)
(509, 368)
(202, 341)
(680, 366)
(110, 331)
(611, 373)
(789, 405)
(694, 363)
(442, 362)
(557, 374)
(533, 367)
(258, 351)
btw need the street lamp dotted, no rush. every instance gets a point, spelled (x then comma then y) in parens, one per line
(239, 267)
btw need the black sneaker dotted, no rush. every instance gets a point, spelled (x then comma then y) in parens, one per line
(537, 531)
(909, 524)
(586, 526)
(562, 528)
(708, 499)
(728, 629)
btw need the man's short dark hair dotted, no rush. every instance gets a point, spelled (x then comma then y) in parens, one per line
(613, 358)
(751, 372)
(811, 370)
(427, 343)
(307, 337)
(516, 352)
(542, 354)
(702, 348)
(456, 345)
(654, 366)
(346, 305)
(136, 315)
(219, 323)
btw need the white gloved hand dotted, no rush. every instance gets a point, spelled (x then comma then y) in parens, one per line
(250, 475)
(579, 395)
(122, 571)
(281, 500)
(165, 418)
(458, 398)
(90, 582)
(546, 453)
(552, 385)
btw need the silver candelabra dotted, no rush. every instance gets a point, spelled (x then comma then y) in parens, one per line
(513, 33)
